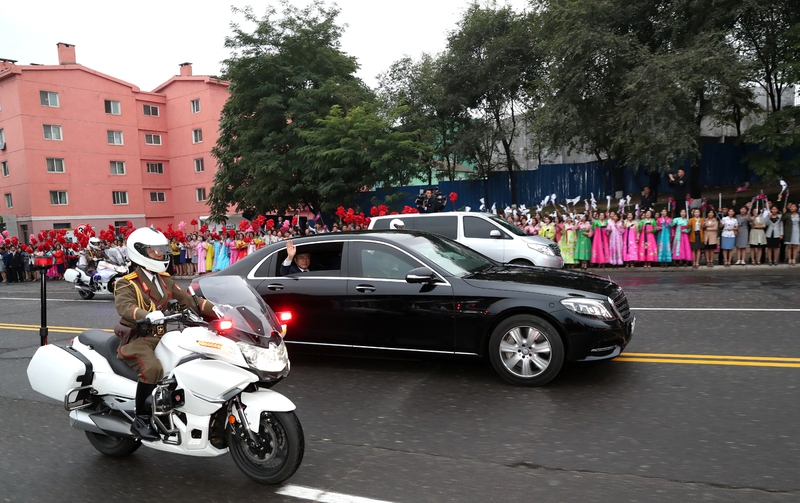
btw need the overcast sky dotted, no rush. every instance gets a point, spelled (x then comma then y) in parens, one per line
(144, 42)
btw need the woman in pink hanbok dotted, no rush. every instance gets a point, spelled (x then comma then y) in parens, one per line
(648, 249)
(200, 249)
(630, 241)
(233, 252)
(615, 231)
(681, 248)
(600, 241)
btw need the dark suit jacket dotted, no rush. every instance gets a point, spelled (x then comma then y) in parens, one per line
(290, 269)
(647, 202)
(681, 188)
(16, 260)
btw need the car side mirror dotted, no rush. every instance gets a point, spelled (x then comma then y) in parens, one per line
(420, 275)
(495, 234)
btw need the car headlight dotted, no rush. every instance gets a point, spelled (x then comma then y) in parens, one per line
(271, 359)
(588, 307)
(543, 249)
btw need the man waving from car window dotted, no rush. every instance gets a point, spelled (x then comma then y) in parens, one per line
(294, 262)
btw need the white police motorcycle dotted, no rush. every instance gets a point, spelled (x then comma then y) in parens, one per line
(102, 280)
(215, 396)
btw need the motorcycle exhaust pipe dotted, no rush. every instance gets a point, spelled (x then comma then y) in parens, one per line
(100, 423)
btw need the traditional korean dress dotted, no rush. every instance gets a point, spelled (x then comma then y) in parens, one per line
(615, 250)
(567, 243)
(664, 225)
(548, 231)
(200, 249)
(210, 251)
(681, 249)
(600, 242)
(233, 252)
(648, 249)
(630, 241)
(583, 242)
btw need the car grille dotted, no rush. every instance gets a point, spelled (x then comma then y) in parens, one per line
(556, 249)
(621, 303)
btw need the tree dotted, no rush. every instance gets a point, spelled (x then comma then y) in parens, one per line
(438, 117)
(356, 149)
(284, 76)
(491, 60)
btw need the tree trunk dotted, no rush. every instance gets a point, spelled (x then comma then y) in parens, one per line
(510, 167)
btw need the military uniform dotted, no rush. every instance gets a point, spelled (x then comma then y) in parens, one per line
(135, 296)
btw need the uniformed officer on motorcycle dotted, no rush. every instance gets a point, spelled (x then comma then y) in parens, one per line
(144, 294)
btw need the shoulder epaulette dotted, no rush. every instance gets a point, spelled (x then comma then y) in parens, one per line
(130, 276)
(164, 274)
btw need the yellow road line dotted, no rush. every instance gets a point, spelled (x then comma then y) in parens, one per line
(710, 357)
(708, 362)
(50, 328)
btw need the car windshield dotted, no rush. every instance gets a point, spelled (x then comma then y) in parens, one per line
(513, 229)
(241, 304)
(456, 259)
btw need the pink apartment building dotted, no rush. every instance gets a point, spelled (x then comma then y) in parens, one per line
(78, 146)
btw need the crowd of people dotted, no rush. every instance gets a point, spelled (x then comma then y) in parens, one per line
(643, 238)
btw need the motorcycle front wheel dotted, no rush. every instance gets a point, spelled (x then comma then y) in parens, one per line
(281, 453)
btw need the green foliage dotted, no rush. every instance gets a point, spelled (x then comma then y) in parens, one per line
(292, 90)
(778, 139)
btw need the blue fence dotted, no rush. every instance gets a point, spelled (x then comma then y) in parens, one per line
(721, 164)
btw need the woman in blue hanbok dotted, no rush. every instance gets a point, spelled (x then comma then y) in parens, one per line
(664, 226)
(221, 254)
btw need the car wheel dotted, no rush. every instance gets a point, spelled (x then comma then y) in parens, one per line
(526, 350)
(521, 261)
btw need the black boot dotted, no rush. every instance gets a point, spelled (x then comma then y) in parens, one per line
(141, 424)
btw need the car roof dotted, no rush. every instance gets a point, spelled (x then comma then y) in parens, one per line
(441, 213)
(396, 236)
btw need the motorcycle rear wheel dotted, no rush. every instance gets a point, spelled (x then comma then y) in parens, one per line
(86, 295)
(286, 445)
(116, 447)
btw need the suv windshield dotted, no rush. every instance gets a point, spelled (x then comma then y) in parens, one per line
(456, 259)
(513, 229)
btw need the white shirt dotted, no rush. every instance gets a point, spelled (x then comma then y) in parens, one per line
(728, 225)
(150, 276)
(287, 263)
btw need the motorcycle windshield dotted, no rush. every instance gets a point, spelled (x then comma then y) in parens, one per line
(253, 320)
(114, 255)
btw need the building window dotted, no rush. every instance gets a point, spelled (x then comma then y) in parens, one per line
(112, 107)
(4, 165)
(48, 99)
(199, 165)
(197, 136)
(117, 168)
(150, 110)
(55, 165)
(152, 139)
(52, 132)
(158, 197)
(62, 225)
(120, 197)
(195, 105)
(201, 194)
(115, 138)
(155, 167)
(58, 197)
(2, 138)
(9, 204)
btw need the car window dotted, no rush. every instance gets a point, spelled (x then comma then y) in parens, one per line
(264, 268)
(445, 225)
(476, 227)
(507, 226)
(326, 259)
(455, 258)
(375, 260)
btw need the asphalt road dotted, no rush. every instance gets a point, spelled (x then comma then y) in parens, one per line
(699, 408)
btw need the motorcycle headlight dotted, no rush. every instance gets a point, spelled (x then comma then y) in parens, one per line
(271, 359)
(543, 249)
(588, 307)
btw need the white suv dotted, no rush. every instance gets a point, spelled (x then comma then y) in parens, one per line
(484, 233)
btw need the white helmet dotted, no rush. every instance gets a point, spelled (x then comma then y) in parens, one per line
(150, 249)
(397, 224)
(94, 243)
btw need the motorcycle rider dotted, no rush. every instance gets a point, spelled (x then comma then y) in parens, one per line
(143, 294)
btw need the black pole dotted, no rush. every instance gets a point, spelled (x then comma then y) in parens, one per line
(43, 331)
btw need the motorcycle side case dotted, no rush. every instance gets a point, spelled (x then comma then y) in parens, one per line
(72, 275)
(55, 370)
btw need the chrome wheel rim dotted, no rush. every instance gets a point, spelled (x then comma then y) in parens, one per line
(525, 351)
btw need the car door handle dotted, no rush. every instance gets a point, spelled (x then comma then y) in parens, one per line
(275, 287)
(365, 288)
